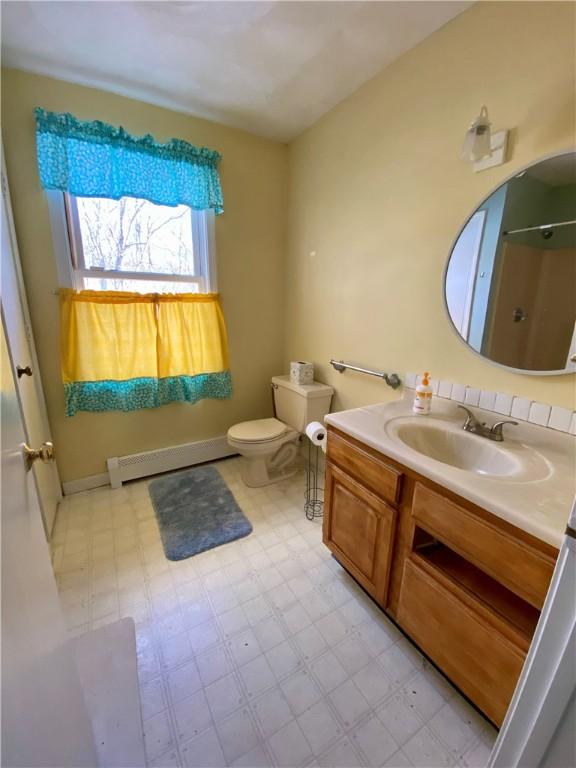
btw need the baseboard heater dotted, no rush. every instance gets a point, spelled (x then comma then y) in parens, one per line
(122, 468)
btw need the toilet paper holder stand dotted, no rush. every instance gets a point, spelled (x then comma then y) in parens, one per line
(314, 495)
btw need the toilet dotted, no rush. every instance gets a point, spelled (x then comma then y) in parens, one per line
(270, 446)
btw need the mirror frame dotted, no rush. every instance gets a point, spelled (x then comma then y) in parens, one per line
(510, 369)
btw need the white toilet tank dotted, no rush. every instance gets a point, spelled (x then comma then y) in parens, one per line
(299, 404)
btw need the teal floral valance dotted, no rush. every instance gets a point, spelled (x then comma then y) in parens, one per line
(94, 159)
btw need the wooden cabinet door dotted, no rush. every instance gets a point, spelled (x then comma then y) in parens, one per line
(358, 528)
(463, 638)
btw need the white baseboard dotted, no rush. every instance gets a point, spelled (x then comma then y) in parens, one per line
(85, 483)
(148, 463)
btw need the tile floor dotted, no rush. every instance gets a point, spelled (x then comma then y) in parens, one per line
(263, 652)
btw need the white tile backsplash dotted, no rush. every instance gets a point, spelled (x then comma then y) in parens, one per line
(487, 400)
(444, 388)
(472, 396)
(541, 414)
(560, 418)
(520, 408)
(411, 380)
(503, 403)
(458, 393)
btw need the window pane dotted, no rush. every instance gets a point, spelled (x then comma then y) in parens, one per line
(139, 286)
(134, 235)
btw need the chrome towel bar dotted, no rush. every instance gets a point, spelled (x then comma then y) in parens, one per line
(392, 379)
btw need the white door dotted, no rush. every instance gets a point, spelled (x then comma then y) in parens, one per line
(538, 731)
(463, 272)
(44, 717)
(23, 359)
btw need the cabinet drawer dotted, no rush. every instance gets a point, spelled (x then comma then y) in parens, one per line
(461, 639)
(517, 564)
(379, 477)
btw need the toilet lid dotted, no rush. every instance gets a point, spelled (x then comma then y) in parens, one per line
(257, 431)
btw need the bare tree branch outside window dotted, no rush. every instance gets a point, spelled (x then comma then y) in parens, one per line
(135, 236)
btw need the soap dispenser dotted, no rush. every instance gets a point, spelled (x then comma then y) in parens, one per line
(423, 396)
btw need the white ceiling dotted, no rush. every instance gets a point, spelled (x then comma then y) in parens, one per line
(272, 68)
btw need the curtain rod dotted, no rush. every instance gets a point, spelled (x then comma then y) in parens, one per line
(539, 227)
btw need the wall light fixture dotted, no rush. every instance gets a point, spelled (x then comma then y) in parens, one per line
(483, 148)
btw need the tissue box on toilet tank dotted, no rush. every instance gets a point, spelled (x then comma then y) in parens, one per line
(301, 372)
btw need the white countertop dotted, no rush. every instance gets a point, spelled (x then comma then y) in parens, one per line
(539, 504)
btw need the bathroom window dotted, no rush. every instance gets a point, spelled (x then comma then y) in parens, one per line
(132, 244)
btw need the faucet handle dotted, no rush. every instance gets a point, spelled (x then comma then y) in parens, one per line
(496, 429)
(470, 418)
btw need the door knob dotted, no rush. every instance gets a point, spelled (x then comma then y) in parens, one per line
(45, 453)
(23, 371)
(573, 358)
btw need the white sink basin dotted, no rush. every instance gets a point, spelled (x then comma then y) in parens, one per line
(459, 449)
(446, 442)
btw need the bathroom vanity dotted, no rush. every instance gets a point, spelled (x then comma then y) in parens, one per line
(458, 551)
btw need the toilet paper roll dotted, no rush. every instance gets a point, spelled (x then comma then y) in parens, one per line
(316, 433)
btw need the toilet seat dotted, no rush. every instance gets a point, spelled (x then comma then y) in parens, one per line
(257, 431)
(269, 449)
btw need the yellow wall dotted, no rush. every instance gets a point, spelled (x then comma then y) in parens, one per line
(250, 247)
(378, 192)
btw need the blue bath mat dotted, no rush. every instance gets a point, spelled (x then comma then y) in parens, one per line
(196, 512)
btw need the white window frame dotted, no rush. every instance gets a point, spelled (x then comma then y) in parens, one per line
(70, 257)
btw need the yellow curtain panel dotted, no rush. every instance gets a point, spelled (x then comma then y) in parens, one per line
(191, 335)
(125, 351)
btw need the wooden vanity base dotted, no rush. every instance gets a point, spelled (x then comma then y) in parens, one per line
(465, 585)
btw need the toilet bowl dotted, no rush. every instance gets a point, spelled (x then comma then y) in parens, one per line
(269, 447)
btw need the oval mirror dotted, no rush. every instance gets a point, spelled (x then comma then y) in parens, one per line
(510, 282)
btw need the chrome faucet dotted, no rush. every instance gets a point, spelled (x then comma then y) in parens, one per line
(479, 427)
